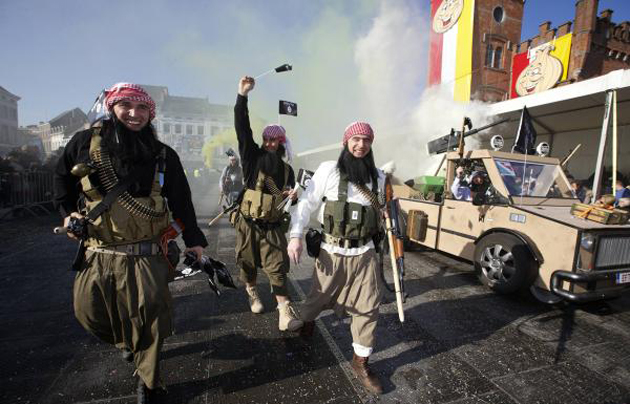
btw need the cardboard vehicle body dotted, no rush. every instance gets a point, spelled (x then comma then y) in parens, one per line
(573, 259)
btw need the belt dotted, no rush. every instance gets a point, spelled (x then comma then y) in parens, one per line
(142, 248)
(262, 224)
(345, 242)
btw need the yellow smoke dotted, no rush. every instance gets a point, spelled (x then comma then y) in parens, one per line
(227, 139)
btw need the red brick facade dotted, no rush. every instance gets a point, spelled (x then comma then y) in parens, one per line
(598, 45)
(496, 31)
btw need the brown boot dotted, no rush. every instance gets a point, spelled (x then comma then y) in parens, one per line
(365, 375)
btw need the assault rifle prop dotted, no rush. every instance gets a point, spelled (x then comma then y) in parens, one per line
(454, 140)
(396, 249)
(211, 267)
(78, 227)
(226, 209)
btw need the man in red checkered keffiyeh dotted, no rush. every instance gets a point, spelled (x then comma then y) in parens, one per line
(342, 195)
(121, 291)
(260, 237)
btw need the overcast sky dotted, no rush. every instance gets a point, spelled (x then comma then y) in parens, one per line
(353, 59)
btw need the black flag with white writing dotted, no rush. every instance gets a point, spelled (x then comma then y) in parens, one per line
(304, 177)
(526, 135)
(287, 108)
(98, 111)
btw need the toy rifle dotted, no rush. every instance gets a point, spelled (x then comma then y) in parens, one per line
(396, 250)
(225, 210)
(460, 148)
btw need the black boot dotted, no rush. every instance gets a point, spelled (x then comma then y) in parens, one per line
(146, 395)
(142, 393)
(307, 329)
(127, 355)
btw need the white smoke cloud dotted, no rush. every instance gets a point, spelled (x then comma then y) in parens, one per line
(392, 58)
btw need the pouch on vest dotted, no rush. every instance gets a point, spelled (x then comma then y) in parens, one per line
(354, 220)
(313, 242)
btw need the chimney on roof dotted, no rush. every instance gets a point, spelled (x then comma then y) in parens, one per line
(564, 28)
(543, 28)
(606, 15)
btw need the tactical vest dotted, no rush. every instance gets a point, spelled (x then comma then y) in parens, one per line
(259, 205)
(129, 219)
(350, 220)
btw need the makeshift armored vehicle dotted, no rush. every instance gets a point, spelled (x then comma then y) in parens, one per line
(516, 226)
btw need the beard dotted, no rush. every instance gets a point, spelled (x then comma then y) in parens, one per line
(270, 162)
(359, 170)
(129, 149)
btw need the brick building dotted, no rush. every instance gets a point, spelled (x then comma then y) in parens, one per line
(598, 45)
(495, 58)
(497, 29)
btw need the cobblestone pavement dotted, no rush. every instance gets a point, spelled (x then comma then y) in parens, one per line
(460, 343)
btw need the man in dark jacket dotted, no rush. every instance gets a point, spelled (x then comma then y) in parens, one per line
(260, 223)
(121, 290)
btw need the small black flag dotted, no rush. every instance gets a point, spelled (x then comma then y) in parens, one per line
(526, 135)
(98, 111)
(285, 67)
(287, 108)
(304, 177)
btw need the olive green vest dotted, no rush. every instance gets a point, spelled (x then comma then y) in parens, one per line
(259, 205)
(129, 219)
(350, 220)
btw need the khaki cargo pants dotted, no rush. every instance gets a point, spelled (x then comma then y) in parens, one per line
(348, 285)
(125, 301)
(266, 249)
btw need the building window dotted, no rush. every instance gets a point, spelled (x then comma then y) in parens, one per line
(200, 130)
(489, 55)
(498, 14)
(178, 128)
(189, 129)
(166, 128)
(498, 56)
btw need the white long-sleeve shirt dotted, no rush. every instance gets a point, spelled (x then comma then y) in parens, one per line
(325, 184)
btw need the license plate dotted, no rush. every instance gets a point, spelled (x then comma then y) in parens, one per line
(623, 277)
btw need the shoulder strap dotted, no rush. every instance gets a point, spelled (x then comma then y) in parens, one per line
(342, 190)
(111, 196)
(160, 165)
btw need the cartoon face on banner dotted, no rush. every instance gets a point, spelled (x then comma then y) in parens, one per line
(542, 73)
(447, 15)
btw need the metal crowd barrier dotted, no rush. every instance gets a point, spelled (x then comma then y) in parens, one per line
(27, 190)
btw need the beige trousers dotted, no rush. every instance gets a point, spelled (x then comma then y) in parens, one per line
(125, 301)
(348, 285)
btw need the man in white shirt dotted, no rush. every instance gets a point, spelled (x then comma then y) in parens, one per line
(344, 194)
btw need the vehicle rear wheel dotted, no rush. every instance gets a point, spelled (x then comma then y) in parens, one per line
(504, 263)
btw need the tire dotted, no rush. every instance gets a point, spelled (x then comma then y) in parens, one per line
(504, 263)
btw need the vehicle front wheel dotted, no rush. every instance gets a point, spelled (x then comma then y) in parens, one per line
(504, 263)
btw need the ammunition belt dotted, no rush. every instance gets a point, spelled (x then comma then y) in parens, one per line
(142, 248)
(108, 178)
(345, 242)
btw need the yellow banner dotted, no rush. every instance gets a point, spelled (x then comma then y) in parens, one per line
(463, 66)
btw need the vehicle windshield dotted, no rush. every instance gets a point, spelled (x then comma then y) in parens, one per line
(523, 178)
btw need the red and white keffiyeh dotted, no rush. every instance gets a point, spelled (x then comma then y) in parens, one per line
(131, 92)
